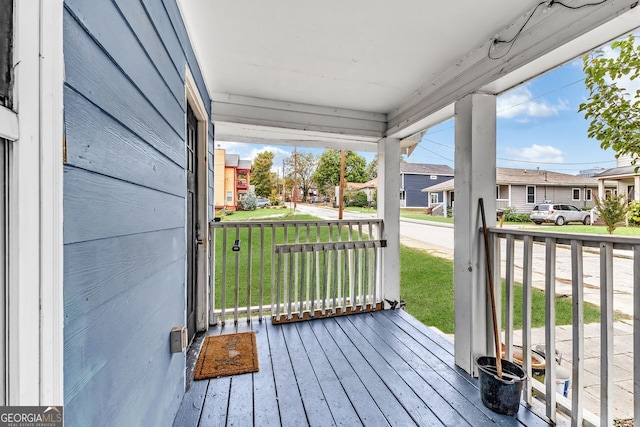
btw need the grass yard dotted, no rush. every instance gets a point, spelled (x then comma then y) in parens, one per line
(426, 285)
(242, 257)
(584, 229)
(425, 217)
(260, 213)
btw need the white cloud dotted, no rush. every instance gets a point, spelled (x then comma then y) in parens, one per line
(518, 102)
(537, 153)
(249, 151)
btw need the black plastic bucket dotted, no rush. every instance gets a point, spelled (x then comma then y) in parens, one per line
(500, 395)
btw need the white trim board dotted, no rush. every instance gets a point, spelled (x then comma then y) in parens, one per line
(35, 264)
(193, 98)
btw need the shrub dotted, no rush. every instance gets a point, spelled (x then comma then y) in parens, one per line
(248, 203)
(356, 198)
(510, 215)
(612, 210)
(633, 213)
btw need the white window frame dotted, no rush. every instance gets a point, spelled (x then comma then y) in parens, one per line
(573, 194)
(431, 199)
(526, 194)
(588, 194)
(34, 340)
(204, 298)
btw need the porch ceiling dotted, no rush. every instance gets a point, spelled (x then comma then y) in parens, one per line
(357, 71)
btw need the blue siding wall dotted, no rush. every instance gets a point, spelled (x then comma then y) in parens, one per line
(124, 209)
(413, 185)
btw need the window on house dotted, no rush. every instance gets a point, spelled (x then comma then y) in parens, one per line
(497, 191)
(531, 194)
(607, 194)
(229, 196)
(575, 194)
(433, 198)
(587, 194)
(402, 195)
(434, 177)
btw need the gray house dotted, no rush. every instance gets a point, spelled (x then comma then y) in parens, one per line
(522, 189)
(416, 176)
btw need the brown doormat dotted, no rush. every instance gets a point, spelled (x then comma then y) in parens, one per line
(223, 355)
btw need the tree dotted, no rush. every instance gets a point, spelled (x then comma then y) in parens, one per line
(327, 174)
(613, 111)
(305, 166)
(372, 168)
(612, 210)
(261, 175)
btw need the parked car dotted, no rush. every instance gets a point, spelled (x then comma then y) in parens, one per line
(262, 202)
(559, 214)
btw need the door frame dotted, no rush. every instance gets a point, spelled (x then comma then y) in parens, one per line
(34, 291)
(193, 98)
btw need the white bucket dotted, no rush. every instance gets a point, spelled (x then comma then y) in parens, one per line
(562, 381)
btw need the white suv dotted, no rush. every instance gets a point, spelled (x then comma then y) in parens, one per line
(559, 214)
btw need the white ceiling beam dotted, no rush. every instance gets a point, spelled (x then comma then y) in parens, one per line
(544, 33)
(251, 133)
(288, 115)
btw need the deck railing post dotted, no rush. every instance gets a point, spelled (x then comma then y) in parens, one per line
(578, 333)
(606, 334)
(550, 325)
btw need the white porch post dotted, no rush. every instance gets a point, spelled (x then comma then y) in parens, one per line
(601, 189)
(389, 211)
(636, 187)
(475, 177)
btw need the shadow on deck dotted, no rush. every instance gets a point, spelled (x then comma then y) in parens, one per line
(383, 368)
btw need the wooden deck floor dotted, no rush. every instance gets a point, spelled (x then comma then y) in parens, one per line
(378, 369)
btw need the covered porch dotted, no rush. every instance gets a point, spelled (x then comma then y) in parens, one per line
(382, 368)
(354, 78)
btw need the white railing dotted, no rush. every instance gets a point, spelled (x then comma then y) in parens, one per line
(605, 245)
(502, 203)
(260, 267)
(316, 280)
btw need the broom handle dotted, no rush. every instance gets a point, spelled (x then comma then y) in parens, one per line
(491, 292)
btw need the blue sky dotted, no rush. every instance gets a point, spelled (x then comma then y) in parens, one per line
(538, 126)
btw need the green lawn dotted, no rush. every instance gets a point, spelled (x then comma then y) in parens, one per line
(426, 285)
(273, 213)
(585, 229)
(425, 217)
(361, 210)
(242, 255)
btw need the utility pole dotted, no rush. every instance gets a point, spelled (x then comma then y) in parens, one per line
(295, 176)
(343, 155)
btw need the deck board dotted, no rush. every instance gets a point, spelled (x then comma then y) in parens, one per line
(376, 369)
(340, 406)
(265, 398)
(367, 384)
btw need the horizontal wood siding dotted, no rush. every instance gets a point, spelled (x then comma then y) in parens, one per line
(413, 185)
(553, 193)
(124, 209)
